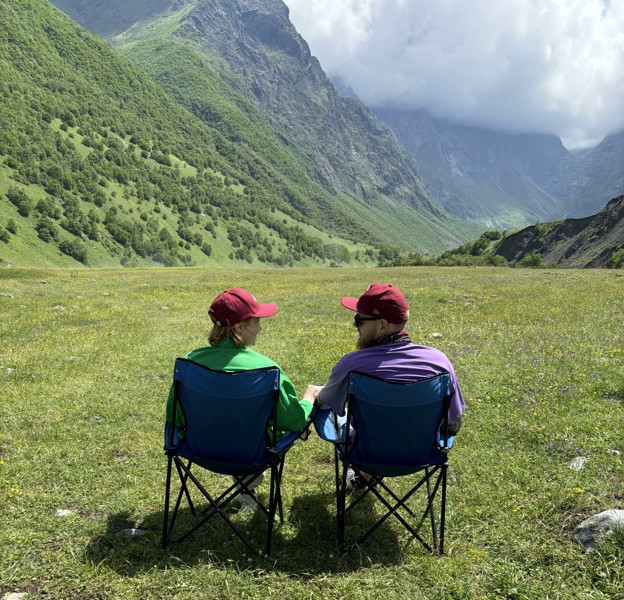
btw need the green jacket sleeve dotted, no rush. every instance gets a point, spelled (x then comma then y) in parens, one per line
(179, 421)
(292, 413)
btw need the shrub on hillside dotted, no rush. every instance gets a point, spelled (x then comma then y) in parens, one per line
(19, 198)
(74, 248)
(617, 260)
(47, 229)
(532, 260)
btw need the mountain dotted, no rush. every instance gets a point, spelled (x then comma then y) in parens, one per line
(98, 165)
(507, 180)
(602, 175)
(202, 51)
(586, 242)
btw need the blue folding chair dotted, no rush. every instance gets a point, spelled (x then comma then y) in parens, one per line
(231, 428)
(392, 430)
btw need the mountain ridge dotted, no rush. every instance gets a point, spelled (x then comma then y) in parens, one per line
(255, 49)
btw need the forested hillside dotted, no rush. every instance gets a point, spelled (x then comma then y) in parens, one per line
(241, 67)
(99, 165)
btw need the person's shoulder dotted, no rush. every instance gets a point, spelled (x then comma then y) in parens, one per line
(432, 353)
(259, 358)
(198, 352)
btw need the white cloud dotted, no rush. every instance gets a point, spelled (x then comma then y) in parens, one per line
(550, 66)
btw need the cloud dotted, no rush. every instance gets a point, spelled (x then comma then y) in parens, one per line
(542, 66)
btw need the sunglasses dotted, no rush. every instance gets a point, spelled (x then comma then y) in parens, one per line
(358, 320)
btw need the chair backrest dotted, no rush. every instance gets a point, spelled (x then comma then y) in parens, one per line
(226, 414)
(397, 423)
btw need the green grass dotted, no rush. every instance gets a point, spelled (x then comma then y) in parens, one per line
(538, 354)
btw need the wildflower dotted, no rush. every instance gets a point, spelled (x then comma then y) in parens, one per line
(578, 490)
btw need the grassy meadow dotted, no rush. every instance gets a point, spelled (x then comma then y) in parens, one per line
(86, 358)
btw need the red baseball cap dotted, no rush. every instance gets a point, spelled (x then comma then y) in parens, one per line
(380, 300)
(236, 305)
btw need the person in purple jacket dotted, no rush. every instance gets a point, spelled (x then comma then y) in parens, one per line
(384, 350)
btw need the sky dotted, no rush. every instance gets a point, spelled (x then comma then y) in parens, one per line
(522, 66)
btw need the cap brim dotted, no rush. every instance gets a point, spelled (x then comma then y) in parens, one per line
(265, 310)
(350, 303)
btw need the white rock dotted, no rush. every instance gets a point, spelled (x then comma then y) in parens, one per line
(58, 308)
(605, 523)
(15, 596)
(435, 335)
(578, 463)
(164, 308)
(63, 512)
(134, 531)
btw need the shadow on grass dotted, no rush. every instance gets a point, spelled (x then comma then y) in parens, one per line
(304, 547)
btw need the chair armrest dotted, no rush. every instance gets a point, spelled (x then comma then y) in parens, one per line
(449, 442)
(176, 437)
(330, 427)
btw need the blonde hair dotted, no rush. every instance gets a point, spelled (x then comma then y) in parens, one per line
(226, 332)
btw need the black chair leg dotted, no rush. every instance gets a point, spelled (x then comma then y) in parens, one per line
(443, 507)
(165, 537)
(431, 510)
(274, 499)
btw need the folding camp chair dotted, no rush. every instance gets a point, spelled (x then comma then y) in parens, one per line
(231, 428)
(392, 430)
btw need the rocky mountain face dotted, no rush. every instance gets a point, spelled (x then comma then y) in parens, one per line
(110, 17)
(507, 180)
(585, 242)
(348, 147)
(255, 50)
(601, 175)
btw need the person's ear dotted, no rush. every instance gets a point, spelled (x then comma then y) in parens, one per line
(238, 326)
(384, 325)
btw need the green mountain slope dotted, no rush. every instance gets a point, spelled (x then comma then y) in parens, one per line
(595, 241)
(241, 67)
(99, 165)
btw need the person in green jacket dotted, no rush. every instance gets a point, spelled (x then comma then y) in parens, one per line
(235, 316)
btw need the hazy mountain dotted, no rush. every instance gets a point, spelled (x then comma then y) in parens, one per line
(602, 175)
(202, 51)
(506, 180)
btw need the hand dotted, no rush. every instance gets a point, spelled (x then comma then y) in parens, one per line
(311, 392)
